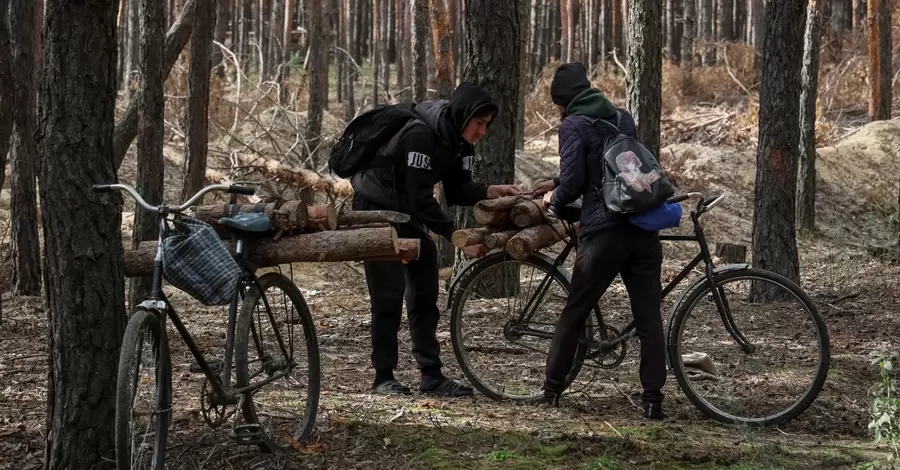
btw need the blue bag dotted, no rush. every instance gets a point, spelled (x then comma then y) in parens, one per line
(665, 216)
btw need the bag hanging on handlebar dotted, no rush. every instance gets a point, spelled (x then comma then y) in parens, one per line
(196, 261)
(665, 216)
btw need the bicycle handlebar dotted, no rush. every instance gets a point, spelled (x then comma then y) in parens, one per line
(231, 188)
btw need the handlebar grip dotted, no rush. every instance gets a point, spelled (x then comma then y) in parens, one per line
(235, 189)
(102, 188)
(677, 199)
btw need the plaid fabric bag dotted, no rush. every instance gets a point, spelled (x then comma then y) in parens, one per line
(196, 261)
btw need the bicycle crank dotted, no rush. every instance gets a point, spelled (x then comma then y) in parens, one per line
(214, 415)
(609, 357)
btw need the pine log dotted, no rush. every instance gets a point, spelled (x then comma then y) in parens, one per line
(321, 217)
(528, 213)
(499, 239)
(409, 251)
(291, 216)
(299, 177)
(531, 239)
(371, 217)
(495, 212)
(470, 236)
(501, 204)
(332, 245)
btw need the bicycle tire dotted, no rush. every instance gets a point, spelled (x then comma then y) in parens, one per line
(242, 342)
(124, 385)
(674, 348)
(456, 321)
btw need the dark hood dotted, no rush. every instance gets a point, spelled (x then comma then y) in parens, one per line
(447, 119)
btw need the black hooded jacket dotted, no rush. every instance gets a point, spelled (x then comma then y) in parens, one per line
(429, 150)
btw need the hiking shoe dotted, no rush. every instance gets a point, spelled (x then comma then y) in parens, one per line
(654, 411)
(391, 387)
(444, 386)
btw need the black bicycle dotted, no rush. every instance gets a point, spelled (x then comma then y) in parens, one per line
(262, 373)
(746, 345)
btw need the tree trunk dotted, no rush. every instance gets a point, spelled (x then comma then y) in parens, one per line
(377, 64)
(618, 24)
(83, 246)
(707, 25)
(404, 51)
(263, 31)
(287, 49)
(645, 70)
(7, 92)
(151, 111)
(276, 33)
(880, 71)
(758, 20)
(493, 45)
(420, 12)
(443, 52)
(318, 79)
(726, 20)
(774, 230)
(26, 252)
(350, 72)
(223, 15)
(196, 116)
(806, 196)
(565, 24)
(246, 50)
(676, 31)
(687, 43)
(384, 50)
(176, 38)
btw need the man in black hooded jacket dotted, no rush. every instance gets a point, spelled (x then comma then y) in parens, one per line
(436, 147)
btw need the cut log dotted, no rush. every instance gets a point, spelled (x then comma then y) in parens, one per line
(371, 217)
(299, 177)
(531, 239)
(332, 245)
(528, 213)
(499, 239)
(731, 253)
(470, 236)
(291, 216)
(409, 251)
(321, 217)
(501, 204)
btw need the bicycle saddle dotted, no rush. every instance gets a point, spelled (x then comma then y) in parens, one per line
(570, 212)
(251, 222)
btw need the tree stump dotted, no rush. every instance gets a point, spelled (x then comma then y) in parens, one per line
(732, 253)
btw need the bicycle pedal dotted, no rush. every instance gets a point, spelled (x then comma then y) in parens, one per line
(214, 364)
(247, 434)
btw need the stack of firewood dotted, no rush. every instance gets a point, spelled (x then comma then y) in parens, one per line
(300, 233)
(517, 223)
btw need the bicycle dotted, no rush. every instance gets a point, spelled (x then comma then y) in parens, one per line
(259, 350)
(698, 368)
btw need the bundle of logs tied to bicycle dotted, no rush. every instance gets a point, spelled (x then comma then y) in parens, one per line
(316, 233)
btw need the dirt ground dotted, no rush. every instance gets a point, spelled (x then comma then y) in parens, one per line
(597, 426)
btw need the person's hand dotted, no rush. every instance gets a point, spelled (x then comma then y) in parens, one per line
(500, 190)
(475, 251)
(543, 188)
(546, 198)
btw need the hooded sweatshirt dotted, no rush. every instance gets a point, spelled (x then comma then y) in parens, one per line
(427, 151)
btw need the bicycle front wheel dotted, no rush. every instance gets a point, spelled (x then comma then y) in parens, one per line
(143, 395)
(757, 353)
(276, 348)
(502, 320)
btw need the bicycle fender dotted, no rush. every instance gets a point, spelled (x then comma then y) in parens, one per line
(466, 269)
(696, 282)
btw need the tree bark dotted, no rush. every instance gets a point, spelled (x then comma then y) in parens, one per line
(531, 239)
(806, 196)
(758, 20)
(526, 214)
(176, 38)
(499, 239)
(223, 14)
(880, 71)
(420, 12)
(7, 93)
(687, 42)
(443, 52)
(196, 117)
(263, 30)
(645, 70)
(774, 230)
(384, 75)
(83, 246)
(349, 218)
(470, 236)
(725, 16)
(350, 72)
(287, 49)
(318, 77)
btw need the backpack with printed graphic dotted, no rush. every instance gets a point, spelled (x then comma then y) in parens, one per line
(365, 134)
(633, 181)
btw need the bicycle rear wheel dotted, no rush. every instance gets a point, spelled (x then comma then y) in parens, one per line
(143, 415)
(276, 336)
(772, 363)
(505, 358)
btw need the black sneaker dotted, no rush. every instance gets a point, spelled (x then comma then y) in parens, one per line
(654, 411)
(444, 386)
(551, 399)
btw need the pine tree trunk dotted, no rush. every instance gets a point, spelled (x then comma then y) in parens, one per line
(758, 21)
(350, 72)
(420, 15)
(774, 230)
(377, 64)
(275, 33)
(83, 264)
(151, 111)
(706, 23)
(263, 10)
(690, 29)
(196, 116)
(493, 45)
(645, 70)
(223, 15)
(246, 49)
(384, 50)
(880, 71)
(566, 27)
(7, 92)
(443, 53)
(287, 47)
(806, 195)
(26, 252)
(318, 78)
(618, 22)
(726, 20)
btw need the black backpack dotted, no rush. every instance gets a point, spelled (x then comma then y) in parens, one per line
(365, 134)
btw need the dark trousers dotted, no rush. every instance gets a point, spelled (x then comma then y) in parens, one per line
(637, 256)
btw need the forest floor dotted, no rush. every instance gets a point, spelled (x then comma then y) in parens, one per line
(597, 427)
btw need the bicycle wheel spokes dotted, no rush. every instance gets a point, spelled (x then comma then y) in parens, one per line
(771, 381)
(277, 349)
(504, 347)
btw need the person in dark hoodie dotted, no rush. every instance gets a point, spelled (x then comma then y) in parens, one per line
(609, 244)
(436, 147)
